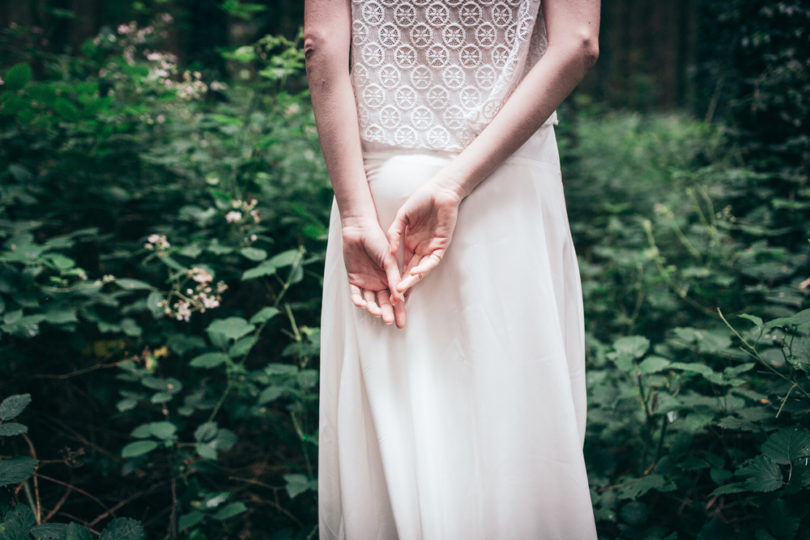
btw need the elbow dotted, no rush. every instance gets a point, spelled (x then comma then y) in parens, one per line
(588, 49)
(314, 41)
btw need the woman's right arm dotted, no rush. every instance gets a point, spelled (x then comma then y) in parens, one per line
(372, 269)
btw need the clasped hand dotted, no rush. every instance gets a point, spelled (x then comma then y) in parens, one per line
(423, 225)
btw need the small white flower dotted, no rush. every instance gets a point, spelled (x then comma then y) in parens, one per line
(233, 215)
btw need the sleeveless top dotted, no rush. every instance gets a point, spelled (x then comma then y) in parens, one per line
(430, 74)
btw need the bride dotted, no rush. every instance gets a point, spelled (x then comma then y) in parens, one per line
(452, 344)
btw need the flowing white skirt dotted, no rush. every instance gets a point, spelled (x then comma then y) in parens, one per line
(468, 423)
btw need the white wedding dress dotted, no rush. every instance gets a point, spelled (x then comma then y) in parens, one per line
(468, 423)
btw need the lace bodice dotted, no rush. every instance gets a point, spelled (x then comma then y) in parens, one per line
(431, 74)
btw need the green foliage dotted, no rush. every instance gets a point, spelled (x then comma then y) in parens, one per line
(698, 421)
(161, 244)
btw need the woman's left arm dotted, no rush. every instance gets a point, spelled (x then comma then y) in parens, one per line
(428, 217)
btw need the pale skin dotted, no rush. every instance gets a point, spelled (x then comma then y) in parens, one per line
(426, 221)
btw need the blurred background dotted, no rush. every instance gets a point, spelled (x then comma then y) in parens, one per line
(163, 217)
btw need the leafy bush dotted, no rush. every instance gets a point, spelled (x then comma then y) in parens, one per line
(698, 419)
(160, 270)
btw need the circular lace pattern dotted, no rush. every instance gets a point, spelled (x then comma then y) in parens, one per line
(432, 74)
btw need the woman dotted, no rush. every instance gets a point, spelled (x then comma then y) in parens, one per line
(465, 419)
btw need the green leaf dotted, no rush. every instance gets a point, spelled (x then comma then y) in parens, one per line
(189, 520)
(243, 346)
(264, 314)
(123, 529)
(162, 430)
(753, 318)
(633, 346)
(761, 474)
(285, 258)
(266, 268)
(74, 531)
(16, 469)
(787, 445)
(271, 393)
(653, 364)
(254, 254)
(138, 448)
(14, 405)
(49, 531)
(231, 328)
(12, 428)
(17, 76)
(205, 431)
(230, 510)
(16, 523)
(209, 360)
(206, 450)
(634, 488)
(132, 284)
(297, 484)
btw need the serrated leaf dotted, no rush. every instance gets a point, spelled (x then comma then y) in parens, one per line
(209, 360)
(13, 406)
(16, 469)
(138, 448)
(264, 269)
(634, 488)
(787, 445)
(123, 529)
(761, 474)
(12, 428)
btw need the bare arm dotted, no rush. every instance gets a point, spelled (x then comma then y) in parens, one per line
(327, 39)
(371, 267)
(428, 217)
(573, 30)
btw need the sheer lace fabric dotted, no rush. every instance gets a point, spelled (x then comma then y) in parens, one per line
(432, 74)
